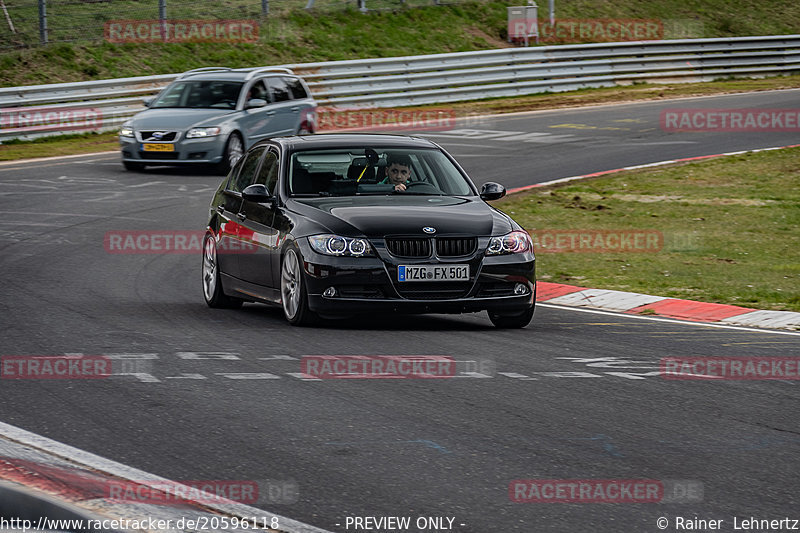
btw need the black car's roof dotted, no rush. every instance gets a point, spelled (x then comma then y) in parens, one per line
(344, 140)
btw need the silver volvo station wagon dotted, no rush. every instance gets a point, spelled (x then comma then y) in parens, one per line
(212, 115)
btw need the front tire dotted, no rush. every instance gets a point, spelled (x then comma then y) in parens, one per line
(234, 150)
(212, 282)
(294, 296)
(512, 321)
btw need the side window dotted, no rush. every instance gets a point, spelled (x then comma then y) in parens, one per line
(296, 87)
(231, 179)
(280, 91)
(248, 170)
(258, 90)
(220, 94)
(268, 174)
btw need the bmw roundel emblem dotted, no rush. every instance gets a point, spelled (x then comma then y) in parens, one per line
(429, 230)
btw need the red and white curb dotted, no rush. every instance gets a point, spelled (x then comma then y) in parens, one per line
(644, 304)
(82, 479)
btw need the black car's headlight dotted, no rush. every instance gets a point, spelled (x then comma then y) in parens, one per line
(516, 242)
(340, 246)
(126, 131)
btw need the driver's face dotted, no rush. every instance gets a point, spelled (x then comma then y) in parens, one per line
(398, 173)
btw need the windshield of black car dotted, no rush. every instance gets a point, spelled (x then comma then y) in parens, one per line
(350, 172)
(200, 94)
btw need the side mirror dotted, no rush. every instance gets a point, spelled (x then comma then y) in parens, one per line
(492, 191)
(257, 193)
(148, 101)
(255, 102)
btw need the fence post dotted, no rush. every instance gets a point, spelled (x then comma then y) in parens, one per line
(43, 21)
(265, 7)
(162, 18)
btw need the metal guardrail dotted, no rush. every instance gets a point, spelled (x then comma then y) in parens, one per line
(38, 110)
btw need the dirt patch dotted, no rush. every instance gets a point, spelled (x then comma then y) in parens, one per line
(650, 199)
(490, 39)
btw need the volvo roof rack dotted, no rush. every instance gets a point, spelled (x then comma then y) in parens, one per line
(204, 69)
(252, 73)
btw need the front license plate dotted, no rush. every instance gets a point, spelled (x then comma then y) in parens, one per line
(157, 147)
(433, 273)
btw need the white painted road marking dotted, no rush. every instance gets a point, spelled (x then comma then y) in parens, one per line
(503, 135)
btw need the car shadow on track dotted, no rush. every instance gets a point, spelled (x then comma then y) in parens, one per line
(376, 322)
(186, 170)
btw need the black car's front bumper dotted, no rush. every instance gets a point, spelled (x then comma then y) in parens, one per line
(499, 284)
(337, 305)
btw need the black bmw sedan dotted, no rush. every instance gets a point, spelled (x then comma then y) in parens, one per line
(343, 224)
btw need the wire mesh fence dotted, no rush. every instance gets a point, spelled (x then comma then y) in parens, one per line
(28, 23)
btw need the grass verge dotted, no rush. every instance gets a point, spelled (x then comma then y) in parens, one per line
(729, 230)
(331, 31)
(83, 143)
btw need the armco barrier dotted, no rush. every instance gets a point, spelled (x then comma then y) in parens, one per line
(438, 78)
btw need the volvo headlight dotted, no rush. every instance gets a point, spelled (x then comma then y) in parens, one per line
(340, 246)
(516, 242)
(126, 131)
(195, 133)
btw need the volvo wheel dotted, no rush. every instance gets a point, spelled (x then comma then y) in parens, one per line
(234, 149)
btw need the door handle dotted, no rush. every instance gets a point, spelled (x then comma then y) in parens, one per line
(295, 108)
(270, 113)
(241, 216)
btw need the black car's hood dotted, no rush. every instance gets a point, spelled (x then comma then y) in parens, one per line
(377, 216)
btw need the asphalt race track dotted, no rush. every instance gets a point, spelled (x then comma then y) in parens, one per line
(217, 395)
(522, 149)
